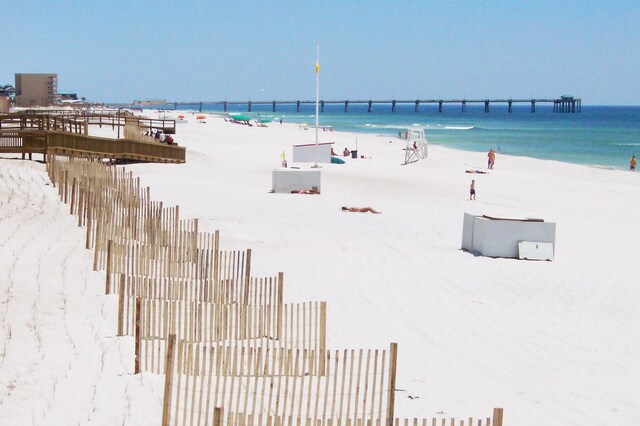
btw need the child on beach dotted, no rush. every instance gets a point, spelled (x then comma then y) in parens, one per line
(632, 163)
(472, 190)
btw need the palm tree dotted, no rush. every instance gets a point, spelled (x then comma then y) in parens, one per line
(7, 90)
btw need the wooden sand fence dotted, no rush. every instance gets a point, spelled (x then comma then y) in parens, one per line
(298, 326)
(231, 351)
(230, 269)
(149, 239)
(131, 234)
(355, 387)
(494, 420)
(263, 290)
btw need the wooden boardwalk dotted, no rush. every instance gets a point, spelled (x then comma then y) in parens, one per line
(29, 134)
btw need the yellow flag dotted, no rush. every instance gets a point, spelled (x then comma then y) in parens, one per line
(282, 154)
(317, 68)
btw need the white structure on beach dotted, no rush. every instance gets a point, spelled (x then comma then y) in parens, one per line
(287, 180)
(312, 153)
(416, 148)
(502, 237)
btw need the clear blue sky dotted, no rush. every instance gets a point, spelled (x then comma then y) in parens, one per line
(119, 50)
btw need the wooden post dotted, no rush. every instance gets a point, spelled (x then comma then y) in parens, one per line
(194, 253)
(279, 306)
(168, 380)
(136, 369)
(216, 255)
(391, 398)
(73, 196)
(218, 413)
(121, 307)
(497, 416)
(63, 188)
(247, 273)
(107, 288)
(87, 243)
(323, 337)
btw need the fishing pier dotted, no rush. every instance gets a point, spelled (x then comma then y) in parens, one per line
(564, 104)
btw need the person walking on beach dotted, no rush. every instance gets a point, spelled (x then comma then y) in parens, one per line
(491, 159)
(472, 190)
(632, 163)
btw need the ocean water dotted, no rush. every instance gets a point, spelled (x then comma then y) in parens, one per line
(603, 136)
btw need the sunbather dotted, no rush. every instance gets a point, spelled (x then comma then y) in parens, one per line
(360, 210)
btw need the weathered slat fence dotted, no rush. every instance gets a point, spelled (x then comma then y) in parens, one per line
(300, 326)
(258, 291)
(354, 386)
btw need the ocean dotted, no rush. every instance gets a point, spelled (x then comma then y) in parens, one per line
(603, 136)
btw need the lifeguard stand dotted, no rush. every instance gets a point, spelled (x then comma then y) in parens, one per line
(416, 148)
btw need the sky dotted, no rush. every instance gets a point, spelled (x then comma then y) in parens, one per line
(121, 50)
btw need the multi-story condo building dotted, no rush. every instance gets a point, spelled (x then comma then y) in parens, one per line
(36, 89)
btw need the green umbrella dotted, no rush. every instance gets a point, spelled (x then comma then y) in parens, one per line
(240, 117)
(265, 120)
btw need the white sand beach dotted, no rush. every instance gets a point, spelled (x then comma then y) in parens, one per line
(553, 343)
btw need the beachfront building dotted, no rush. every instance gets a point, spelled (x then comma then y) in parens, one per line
(4, 104)
(68, 96)
(149, 102)
(36, 89)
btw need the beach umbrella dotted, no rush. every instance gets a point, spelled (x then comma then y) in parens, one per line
(240, 117)
(181, 116)
(265, 120)
(201, 117)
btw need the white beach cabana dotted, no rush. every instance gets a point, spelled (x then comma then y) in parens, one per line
(491, 236)
(312, 153)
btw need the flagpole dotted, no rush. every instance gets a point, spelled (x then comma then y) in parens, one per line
(317, 95)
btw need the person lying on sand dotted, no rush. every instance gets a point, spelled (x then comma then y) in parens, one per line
(482, 172)
(313, 190)
(360, 210)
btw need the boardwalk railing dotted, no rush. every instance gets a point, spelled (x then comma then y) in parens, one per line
(80, 145)
(77, 122)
